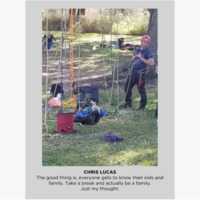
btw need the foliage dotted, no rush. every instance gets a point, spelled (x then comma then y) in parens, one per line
(90, 26)
(117, 21)
(139, 29)
(54, 19)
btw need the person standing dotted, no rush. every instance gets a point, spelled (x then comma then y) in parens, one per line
(49, 38)
(141, 59)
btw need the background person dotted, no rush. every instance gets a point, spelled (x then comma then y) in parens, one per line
(49, 38)
(82, 91)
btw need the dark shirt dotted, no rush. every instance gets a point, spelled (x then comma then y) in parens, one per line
(50, 38)
(139, 64)
(56, 89)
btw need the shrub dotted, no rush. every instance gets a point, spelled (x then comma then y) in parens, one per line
(139, 29)
(90, 26)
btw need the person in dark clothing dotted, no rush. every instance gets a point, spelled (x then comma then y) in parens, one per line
(90, 113)
(56, 89)
(141, 59)
(92, 117)
(127, 46)
(83, 90)
(49, 39)
(120, 42)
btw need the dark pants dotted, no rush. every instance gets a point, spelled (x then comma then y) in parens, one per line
(130, 82)
(93, 91)
(49, 45)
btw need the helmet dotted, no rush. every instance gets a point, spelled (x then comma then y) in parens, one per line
(146, 38)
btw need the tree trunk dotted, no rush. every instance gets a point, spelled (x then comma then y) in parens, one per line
(81, 11)
(153, 33)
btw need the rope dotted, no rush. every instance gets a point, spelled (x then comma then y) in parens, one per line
(47, 71)
(65, 42)
(71, 50)
(128, 83)
(61, 56)
(117, 72)
(51, 66)
(45, 82)
(112, 68)
(79, 57)
(103, 58)
(55, 57)
(117, 75)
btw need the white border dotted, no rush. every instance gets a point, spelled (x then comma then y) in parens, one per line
(12, 182)
(187, 98)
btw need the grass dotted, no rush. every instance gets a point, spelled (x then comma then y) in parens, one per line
(90, 59)
(139, 147)
(87, 41)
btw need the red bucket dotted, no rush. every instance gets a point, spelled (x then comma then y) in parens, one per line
(65, 123)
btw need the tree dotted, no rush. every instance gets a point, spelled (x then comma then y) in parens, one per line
(153, 33)
(81, 11)
(77, 11)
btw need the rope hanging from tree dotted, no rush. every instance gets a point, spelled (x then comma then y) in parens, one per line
(47, 71)
(111, 59)
(117, 66)
(112, 95)
(71, 49)
(70, 103)
(66, 41)
(102, 52)
(79, 57)
(61, 57)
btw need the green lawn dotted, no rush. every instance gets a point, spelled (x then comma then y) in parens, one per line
(138, 128)
(101, 57)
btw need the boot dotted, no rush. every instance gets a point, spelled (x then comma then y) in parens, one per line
(128, 104)
(141, 108)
